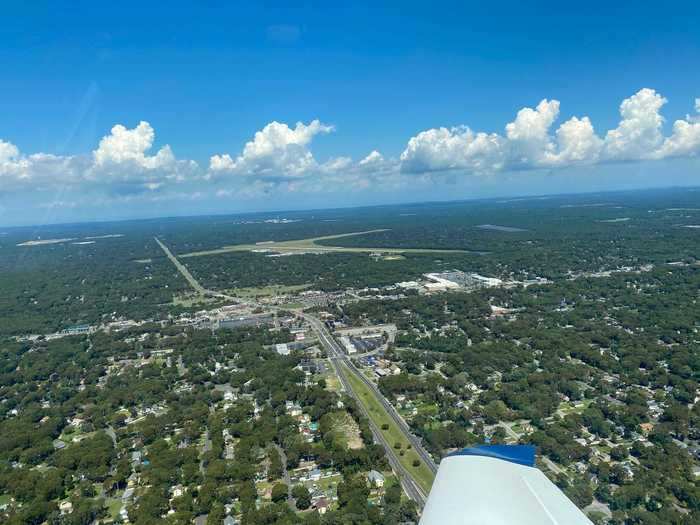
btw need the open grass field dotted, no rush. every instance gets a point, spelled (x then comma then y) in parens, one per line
(263, 487)
(332, 382)
(427, 409)
(324, 484)
(293, 306)
(567, 407)
(391, 433)
(113, 506)
(188, 300)
(345, 431)
(267, 291)
(70, 433)
(311, 246)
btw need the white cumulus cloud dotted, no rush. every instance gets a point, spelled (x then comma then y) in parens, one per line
(685, 139)
(126, 161)
(280, 155)
(276, 152)
(449, 149)
(529, 143)
(528, 135)
(122, 160)
(373, 159)
(639, 131)
(120, 163)
(38, 171)
(124, 145)
(336, 165)
(8, 152)
(576, 142)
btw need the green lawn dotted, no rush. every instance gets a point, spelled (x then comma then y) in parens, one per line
(517, 428)
(422, 474)
(345, 431)
(292, 306)
(427, 409)
(332, 383)
(603, 448)
(113, 505)
(265, 291)
(432, 425)
(325, 483)
(567, 407)
(263, 486)
(69, 433)
(189, 300)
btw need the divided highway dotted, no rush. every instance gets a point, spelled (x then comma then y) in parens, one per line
(338, 353)
(344, 365)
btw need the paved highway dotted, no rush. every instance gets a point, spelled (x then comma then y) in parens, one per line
(337, 352)
(343, 365)
(410, 487)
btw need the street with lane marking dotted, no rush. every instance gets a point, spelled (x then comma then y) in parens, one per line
(343, 365)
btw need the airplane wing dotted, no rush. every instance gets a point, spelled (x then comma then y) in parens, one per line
(497, 485)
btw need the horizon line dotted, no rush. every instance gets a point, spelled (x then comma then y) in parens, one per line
(522, 196)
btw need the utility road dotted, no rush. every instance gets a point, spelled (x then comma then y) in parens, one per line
(182, 269)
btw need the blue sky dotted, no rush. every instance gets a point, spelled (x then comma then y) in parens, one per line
(402, 80)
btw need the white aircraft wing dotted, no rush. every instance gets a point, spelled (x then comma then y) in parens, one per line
(497, 485)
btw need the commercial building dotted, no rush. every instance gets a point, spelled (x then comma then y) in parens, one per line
(282, 349)
(349, 347)
(454, 279)
(76, 330)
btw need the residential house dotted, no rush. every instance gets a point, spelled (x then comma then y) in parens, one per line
(375, 478)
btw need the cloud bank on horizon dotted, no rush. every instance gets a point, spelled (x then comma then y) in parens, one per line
(280, 156)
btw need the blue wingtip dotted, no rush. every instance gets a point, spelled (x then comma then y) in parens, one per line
(520, 454)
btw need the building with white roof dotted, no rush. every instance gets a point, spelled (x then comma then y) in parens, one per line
(282, 349)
